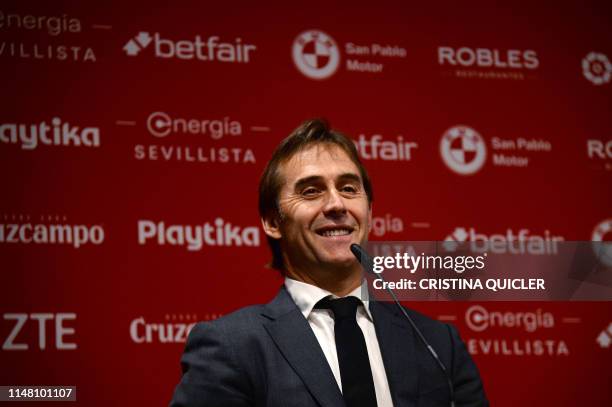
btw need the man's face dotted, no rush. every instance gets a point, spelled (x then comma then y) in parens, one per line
(324, 208)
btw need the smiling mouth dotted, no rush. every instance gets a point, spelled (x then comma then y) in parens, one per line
(342, 231)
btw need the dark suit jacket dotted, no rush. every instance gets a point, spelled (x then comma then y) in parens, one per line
(267, 355)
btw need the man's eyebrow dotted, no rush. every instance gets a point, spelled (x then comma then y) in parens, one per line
(307, 181)
(348, 176)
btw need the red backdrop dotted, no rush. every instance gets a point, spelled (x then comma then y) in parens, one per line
(117, 117)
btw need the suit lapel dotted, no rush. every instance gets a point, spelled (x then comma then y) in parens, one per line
(298, 344)
(396, 341)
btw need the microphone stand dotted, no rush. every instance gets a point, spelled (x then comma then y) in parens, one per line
(366, 262)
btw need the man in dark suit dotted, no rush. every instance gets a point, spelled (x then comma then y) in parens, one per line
(320, 342)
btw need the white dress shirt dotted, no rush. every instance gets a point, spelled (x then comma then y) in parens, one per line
(321, 321)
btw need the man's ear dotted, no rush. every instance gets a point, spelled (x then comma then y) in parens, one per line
(271, 227)
(369, 218)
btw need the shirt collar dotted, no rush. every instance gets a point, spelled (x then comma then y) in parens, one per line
(307, 295)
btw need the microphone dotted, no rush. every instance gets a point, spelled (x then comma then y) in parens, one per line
(366, 262)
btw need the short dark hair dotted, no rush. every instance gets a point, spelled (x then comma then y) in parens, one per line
(311, 132)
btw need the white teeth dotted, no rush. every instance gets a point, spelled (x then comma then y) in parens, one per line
(336, 232)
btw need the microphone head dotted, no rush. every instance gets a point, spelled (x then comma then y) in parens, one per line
(363, 258)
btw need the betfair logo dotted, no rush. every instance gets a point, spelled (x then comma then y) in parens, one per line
(210, 49)
(605, 337)
(137, 44)
(521, 242)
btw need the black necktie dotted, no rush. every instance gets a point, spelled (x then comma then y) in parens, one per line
(357, 383)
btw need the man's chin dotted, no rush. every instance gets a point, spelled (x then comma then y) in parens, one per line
(341, 262)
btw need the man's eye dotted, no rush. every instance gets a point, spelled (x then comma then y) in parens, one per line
(349, 188)
(309, 191)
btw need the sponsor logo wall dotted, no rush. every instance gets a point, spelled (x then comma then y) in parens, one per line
(131, 150)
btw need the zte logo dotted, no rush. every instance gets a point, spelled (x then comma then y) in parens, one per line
(50, 328)
(202, 49)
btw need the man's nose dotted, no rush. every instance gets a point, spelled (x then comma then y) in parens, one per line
(334, 203)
